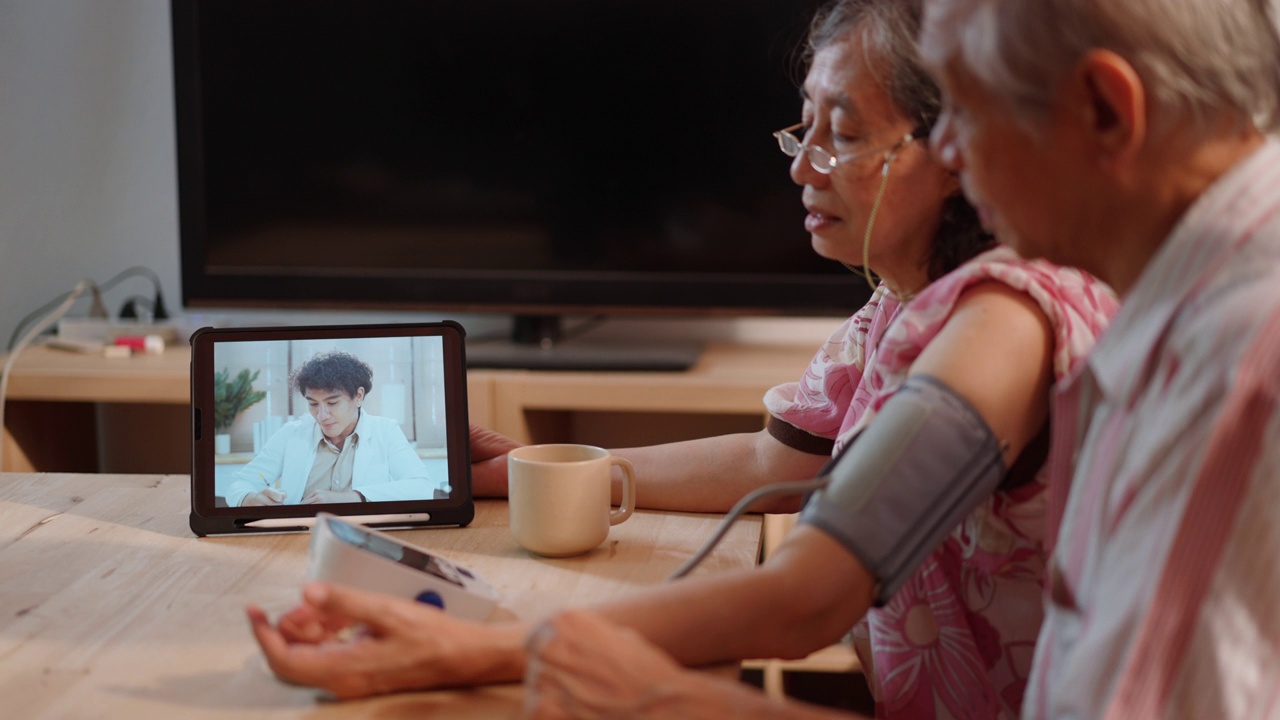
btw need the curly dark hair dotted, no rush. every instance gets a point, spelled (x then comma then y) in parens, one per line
(334, 370)
(888, 30)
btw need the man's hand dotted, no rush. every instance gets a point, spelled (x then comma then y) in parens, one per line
(354, 644)
(489, 462)
(331, 496)
(270, 496)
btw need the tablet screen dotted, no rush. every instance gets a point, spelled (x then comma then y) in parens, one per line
(356, 420)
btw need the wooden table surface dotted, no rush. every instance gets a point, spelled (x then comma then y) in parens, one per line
(111, 608)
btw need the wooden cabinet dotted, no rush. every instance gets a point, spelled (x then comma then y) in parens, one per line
(86, 413)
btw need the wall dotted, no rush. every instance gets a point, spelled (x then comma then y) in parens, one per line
(88, 190)
(86, 150)
(87, 170)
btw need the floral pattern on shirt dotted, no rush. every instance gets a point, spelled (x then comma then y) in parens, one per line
(957, 639)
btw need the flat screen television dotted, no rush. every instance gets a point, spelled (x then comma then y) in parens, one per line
(537, 158)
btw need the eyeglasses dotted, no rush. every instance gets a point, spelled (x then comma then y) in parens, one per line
(821, 159)
(791, 146)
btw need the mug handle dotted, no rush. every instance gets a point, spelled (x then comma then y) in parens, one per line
(628, 490)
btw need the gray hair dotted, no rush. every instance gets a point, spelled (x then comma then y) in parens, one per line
(887, 31)
(1206, 60)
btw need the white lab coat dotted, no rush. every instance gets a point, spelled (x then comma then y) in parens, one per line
(386, 465)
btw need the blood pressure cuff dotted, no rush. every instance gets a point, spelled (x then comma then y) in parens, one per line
(896, 491)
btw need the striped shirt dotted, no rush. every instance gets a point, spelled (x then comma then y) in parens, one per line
(1164, 592)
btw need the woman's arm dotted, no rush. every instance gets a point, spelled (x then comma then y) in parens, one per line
(705, 475)
(583, 667)
(802, 600)
(995, 351)
(711, 474)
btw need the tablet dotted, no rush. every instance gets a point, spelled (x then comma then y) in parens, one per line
(368, 422)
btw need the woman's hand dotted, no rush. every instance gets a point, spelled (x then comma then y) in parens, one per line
(489, 462)
(354, 644)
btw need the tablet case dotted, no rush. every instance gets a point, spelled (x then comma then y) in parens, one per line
(242, 383)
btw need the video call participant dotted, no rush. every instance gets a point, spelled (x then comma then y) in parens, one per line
(341, 453)
(969, 331)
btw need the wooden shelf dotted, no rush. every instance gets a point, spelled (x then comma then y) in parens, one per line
(729, 380)
(42, 373)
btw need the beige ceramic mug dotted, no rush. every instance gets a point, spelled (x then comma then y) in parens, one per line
(560, 497)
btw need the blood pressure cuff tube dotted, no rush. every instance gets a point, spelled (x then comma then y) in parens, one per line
(896, 491)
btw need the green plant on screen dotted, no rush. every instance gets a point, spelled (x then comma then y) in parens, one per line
(233, 396)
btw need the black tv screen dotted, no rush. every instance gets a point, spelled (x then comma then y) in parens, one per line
(520, 156)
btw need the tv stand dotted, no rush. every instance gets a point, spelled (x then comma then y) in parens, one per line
(71, 412)
(583, 354)
(539, 330)
(538, 342)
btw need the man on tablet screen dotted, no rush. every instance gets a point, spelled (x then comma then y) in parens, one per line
(340, 454)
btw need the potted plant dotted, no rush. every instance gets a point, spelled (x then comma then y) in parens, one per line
(231, 396)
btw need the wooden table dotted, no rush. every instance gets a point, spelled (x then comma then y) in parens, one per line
(111, 608)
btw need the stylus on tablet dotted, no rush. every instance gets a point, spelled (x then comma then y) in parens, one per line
(361, 519)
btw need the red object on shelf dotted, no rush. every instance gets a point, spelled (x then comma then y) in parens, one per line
(153, 344)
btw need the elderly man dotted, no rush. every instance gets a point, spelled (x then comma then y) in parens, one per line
(1128, 138)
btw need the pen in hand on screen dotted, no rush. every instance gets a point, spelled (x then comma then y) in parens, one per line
(272, 491)
(275, 485)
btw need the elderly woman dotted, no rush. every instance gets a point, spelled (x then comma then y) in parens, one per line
(955, 325)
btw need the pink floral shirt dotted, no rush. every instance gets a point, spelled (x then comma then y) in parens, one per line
(957, 640)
